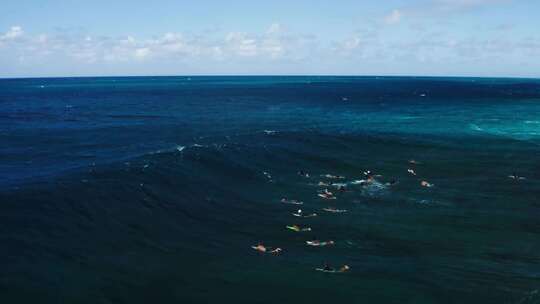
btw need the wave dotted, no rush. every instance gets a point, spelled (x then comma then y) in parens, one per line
(210, 201)
(475, 127)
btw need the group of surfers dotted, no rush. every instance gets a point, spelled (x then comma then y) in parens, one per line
(326, 194)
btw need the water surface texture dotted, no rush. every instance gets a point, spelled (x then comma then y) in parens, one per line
(154, 189)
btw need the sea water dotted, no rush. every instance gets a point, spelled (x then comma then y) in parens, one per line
(154, 189)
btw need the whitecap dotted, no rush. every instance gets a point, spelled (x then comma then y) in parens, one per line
(180, 148)
(358, 182)
(475, 127)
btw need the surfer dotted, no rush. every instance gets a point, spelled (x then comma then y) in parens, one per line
(297, 228)
(261, 248)
(365, 182)
(334, 176)
(334, 210)
(299, 213)
(329, 269)
(292, 202)
(302, 173)
(317, 243)
(426, 184)
(516, 177)
(327, 194)
(411, 171)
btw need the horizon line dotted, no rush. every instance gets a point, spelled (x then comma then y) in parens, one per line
(272, 75)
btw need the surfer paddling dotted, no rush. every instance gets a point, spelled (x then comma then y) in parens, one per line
(514, 176)
(330, 176)
(334, 210)
(291, 202)
(263, 249)
(300, 213)
(327, 194)
(317, 243)
(426, 184)
(327, 268)
(303, 173)
(297, 228)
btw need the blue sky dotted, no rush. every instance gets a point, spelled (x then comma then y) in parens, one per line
(390, 37)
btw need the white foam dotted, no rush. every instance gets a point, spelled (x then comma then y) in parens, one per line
(475, 127)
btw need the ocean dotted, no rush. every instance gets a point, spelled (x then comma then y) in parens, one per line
(154, 189)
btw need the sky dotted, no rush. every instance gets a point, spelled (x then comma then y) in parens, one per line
(499, 38)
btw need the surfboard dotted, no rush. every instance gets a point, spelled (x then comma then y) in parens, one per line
(292, 202)
(326, 196)
(304, 216)
(326, 271)
(335, 210)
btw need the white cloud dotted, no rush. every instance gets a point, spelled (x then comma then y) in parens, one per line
(464, 4)
(142, 53)
(348, 46)
(240, 44)
(266, 51)
(394, 17)
(13, 33)
(275, 28)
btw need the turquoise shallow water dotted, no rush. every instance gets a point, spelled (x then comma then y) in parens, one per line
(137, 190)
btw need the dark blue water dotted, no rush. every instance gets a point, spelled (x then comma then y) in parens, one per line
(152, 190)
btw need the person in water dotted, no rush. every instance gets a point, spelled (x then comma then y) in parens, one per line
(319, 243)
(261, 248)
(328, 268)
(293, 202)
(344, 268)
(516, 177)
(411, 171)
(298, 228)
(426, 184)
(334, 176)
(326, 196)
(369, 180)
(334, 210)
(302, 173)
(294, 227)
(300, 213)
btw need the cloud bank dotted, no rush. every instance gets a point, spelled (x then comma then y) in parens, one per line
(399, 43)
